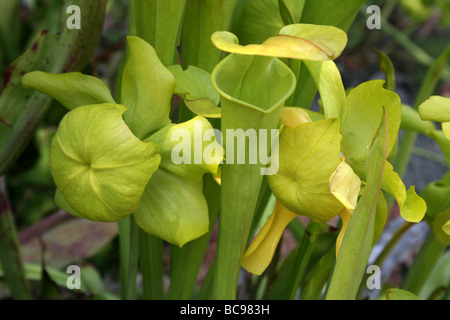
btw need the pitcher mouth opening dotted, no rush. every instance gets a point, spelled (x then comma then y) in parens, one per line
(272, 82)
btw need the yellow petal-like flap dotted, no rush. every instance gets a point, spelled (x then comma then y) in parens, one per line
(345, 218)
(260, 252)
(292, 117)
(296, 41)
(412, 207)
(345, 186)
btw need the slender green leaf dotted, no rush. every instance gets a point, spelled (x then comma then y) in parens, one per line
(319, 276)
(440, 277)
(10, 255)
(325, 243)
(388, 69)
(48, 288)
(92, 283)
(423, 264)
(358, 239)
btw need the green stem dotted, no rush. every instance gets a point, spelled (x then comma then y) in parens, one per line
(187, 261)
(391, 244)
(404, 152)
(260, 287)
(423, 264)
(124, 248)
(428, 154)
(10, 257)
(321, 272)
(131, 293)
(207, 285)
(151, 264)
(388, 8)
(302, 258)
(264, 281)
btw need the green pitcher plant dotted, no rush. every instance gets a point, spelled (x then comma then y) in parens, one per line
(111, 160)
(321, 180)
(228, 158)
(253, 90)
(254, 85)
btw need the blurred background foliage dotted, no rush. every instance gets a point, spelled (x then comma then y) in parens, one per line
(413, 33)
